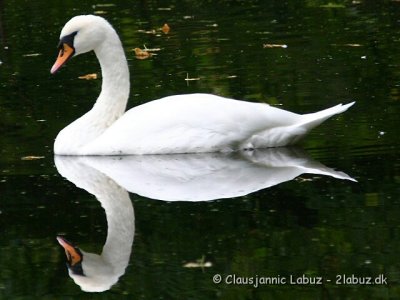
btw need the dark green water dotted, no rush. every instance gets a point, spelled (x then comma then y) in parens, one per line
(314, 225)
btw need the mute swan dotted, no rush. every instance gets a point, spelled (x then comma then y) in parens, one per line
(92, 272)
(176, 124)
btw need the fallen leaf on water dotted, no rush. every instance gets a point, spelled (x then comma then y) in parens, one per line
(151, 49)
(191, 79)
(199, 263)
(88, 76)
(165, 28)
(141, 54)
(353, 45)
(32, 54)
(105, 5)
(348, 45)
(147, 31)
(332, 5)
(164, 8)
(31, 157)
(274, 46)
(100, 12)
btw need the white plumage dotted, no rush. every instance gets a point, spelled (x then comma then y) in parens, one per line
(177, 124)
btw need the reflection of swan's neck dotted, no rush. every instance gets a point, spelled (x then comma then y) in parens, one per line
(115, 73)
(102, 271)
(120, 223)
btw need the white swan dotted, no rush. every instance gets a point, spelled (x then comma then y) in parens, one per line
(92, 272)
(176, 124)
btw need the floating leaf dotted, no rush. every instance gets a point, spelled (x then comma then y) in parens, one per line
(105, 5)
(31, 157)
(88, 76)
(141, 54)
(348, 45)
(275, 46)
(332, 5)
(151, 49)
(353, 45)
(164, 8)
(32, 54)
(199, 263)
(191, 79)
(148, 31)
(165, 28)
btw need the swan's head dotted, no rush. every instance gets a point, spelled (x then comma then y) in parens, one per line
(88, 270)
(81, 34)
(74, 256)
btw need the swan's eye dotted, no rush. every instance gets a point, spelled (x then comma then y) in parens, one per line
(62, 50)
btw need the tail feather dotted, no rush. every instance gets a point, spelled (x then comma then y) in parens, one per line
(314, 119)
(289, 135)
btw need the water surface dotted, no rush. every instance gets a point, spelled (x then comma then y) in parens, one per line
(314, 225)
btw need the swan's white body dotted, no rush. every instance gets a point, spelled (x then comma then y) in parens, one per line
(176, 124)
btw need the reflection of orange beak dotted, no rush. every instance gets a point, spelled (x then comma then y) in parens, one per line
(73, 254)
(65, 53)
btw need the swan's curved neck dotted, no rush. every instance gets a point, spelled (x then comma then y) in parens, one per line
(110, 104)
(115, 73)
(121, 226)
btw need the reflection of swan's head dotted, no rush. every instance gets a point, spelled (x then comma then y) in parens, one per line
(74, 256)
(81, 34)
(88, 270)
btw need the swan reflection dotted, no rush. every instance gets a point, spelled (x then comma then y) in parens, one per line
(92, 272)
(178, 177)
(206, 176)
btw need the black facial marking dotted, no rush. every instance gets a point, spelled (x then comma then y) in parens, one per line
(68, 39)
(76, 269)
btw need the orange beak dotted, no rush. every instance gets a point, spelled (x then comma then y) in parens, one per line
(65, 53)
(73, 254)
